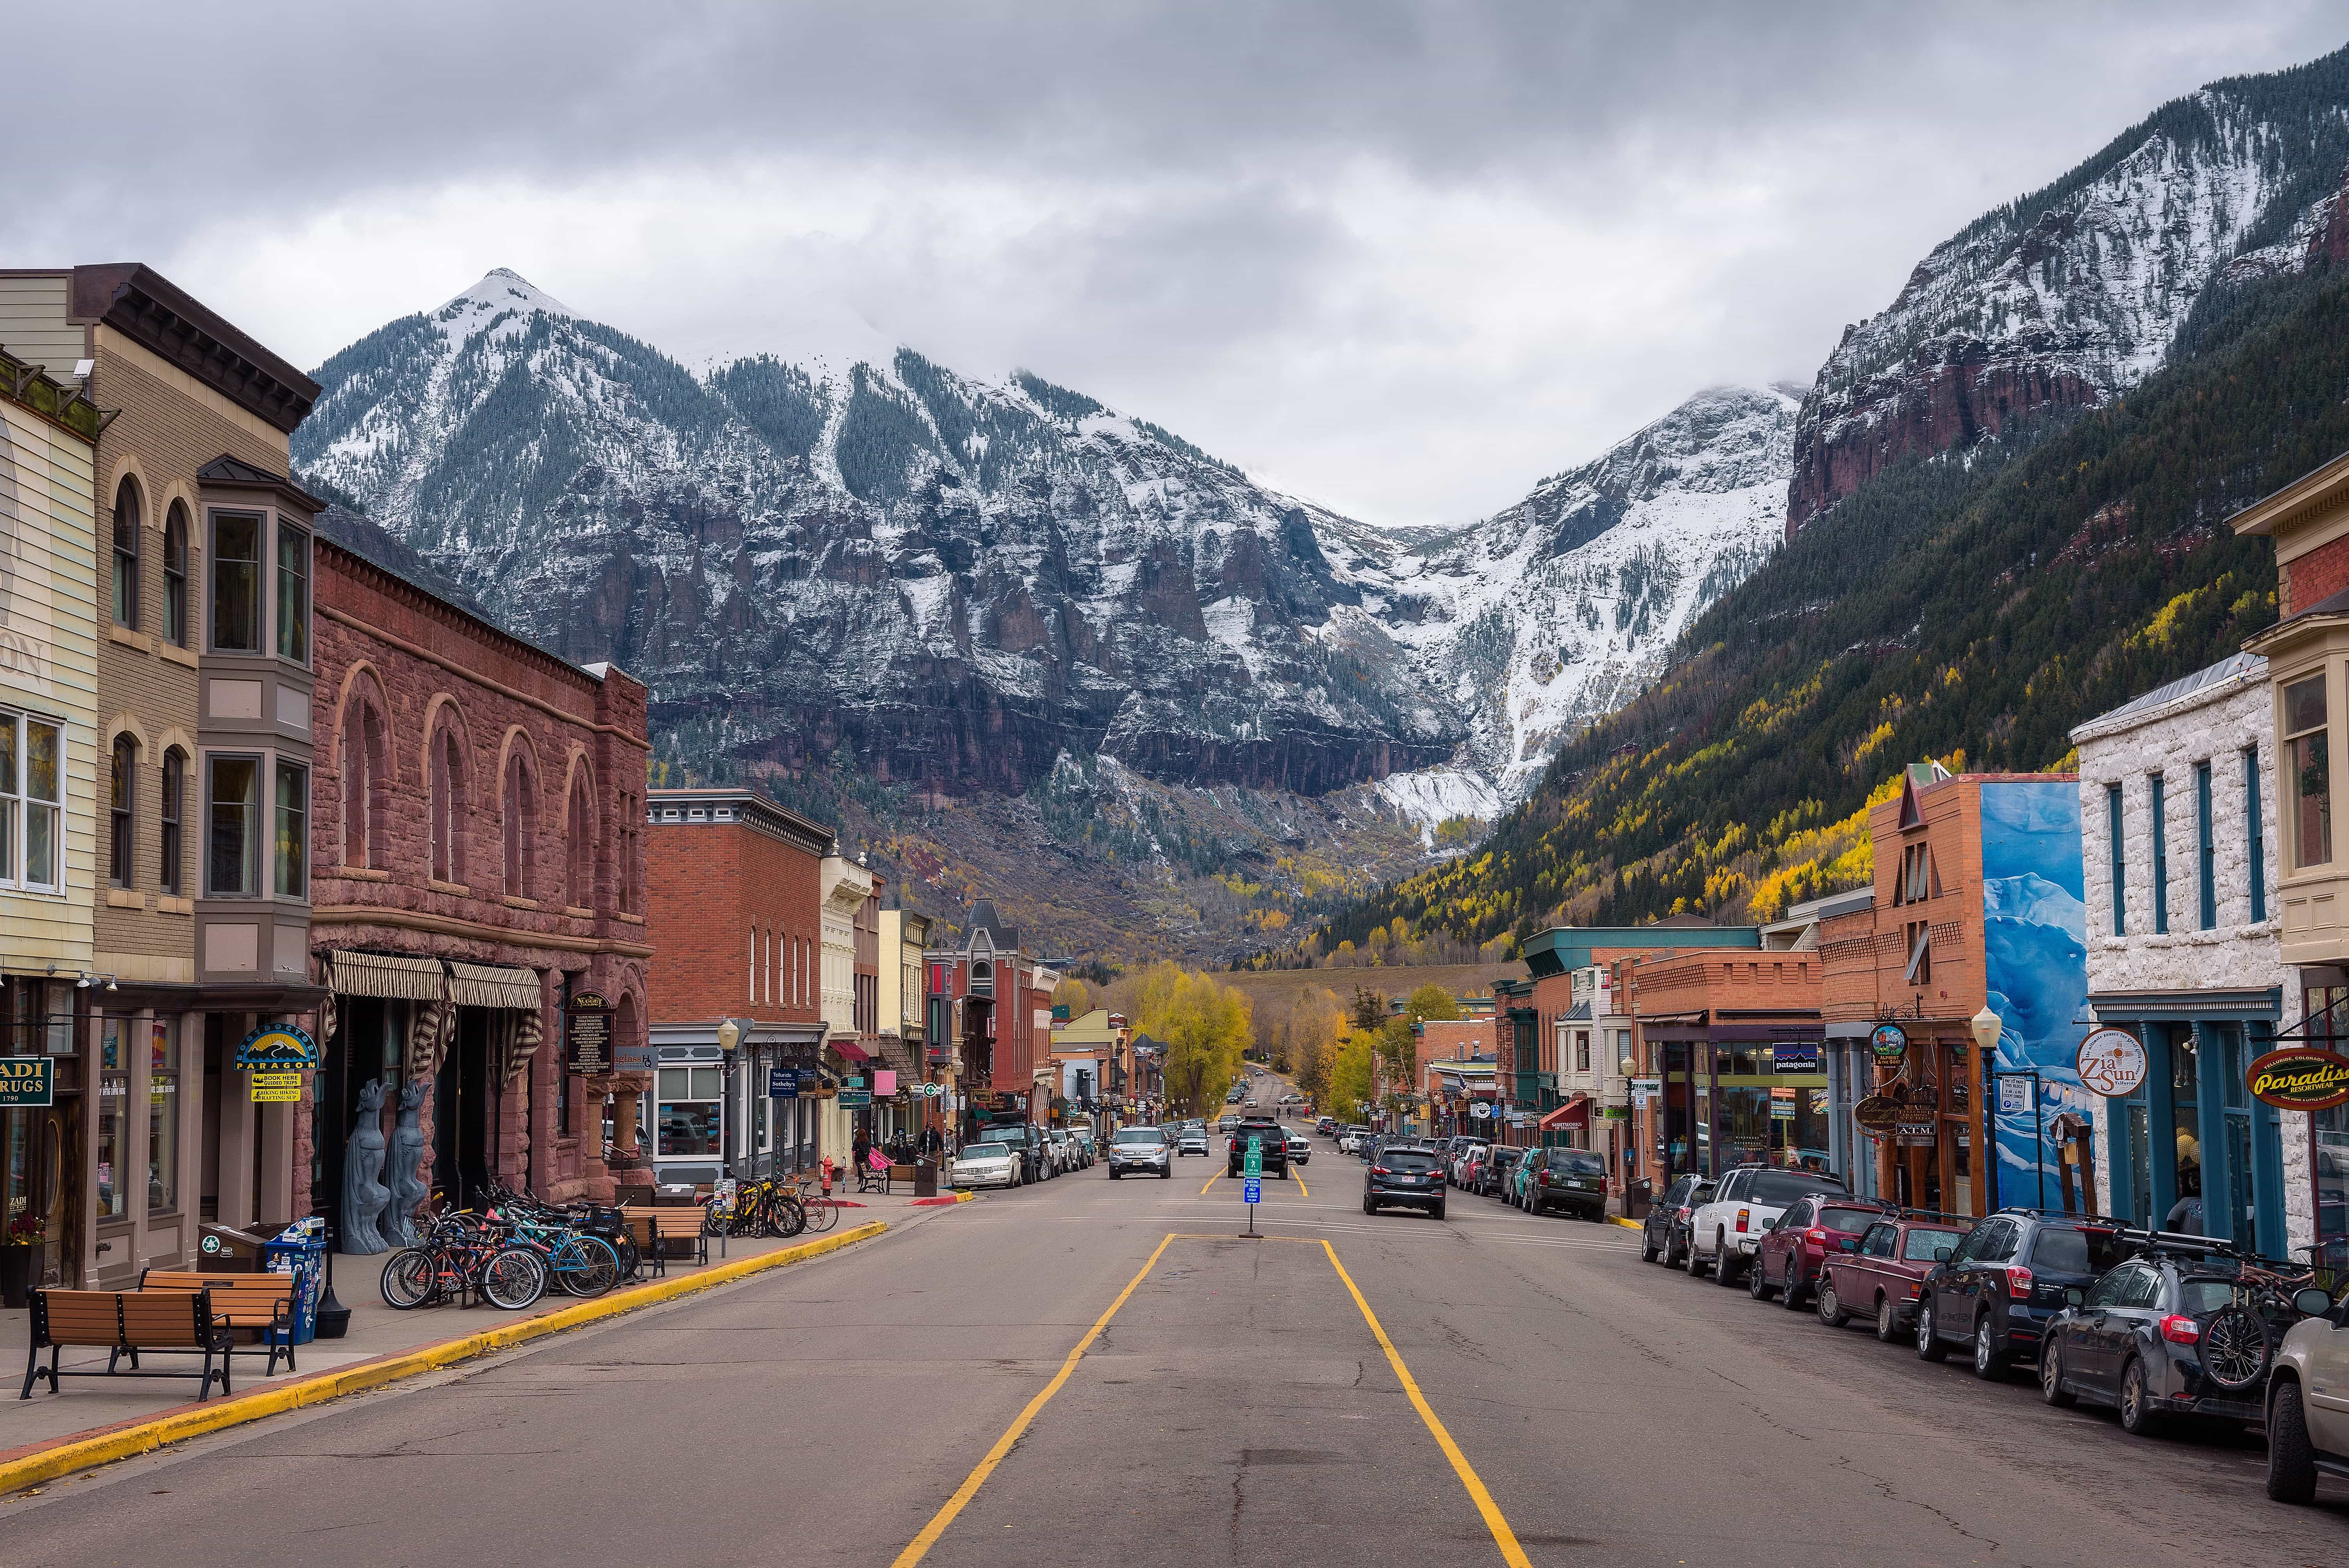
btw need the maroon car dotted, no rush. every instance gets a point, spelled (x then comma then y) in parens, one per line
(1881, 1277)
(1794, 1251)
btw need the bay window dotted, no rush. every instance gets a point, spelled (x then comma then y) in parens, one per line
(291, 855)
(293, 594)
(232, 827)
(32, 776)
(236, 582)
(2308, 771)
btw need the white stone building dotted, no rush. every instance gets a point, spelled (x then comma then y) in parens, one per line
(2185, 951)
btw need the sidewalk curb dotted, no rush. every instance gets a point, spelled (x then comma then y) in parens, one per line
(942, 1201)
(1626, 1224)
(125, 1441)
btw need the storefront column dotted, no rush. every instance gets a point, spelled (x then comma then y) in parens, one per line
(137, 1033)
(2161, 1127)
(275, 1197)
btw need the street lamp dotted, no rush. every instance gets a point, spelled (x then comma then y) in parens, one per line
(729, 1034)
(1986, 1025)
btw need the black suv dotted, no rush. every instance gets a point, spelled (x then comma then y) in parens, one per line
(1276, 1145)
(1407, 1174)
(1574, 1179)
(2005, 1283)
(1664, 1232)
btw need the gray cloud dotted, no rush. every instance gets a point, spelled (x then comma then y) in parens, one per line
(1403, 257)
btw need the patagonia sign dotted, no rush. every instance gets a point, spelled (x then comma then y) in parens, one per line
(27, 1081)
(2300, 1077)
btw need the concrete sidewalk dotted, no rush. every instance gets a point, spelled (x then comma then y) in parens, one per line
(87, 1406)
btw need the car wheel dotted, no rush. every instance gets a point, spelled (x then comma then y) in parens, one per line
(1437, 1211)
(1112, 1175)
(1167, 1174)
(1369, 1207)
(1791, 1296)
(1693, 1263)
(2137, 1418)
(1990, 1361)
(1757, 1279)
(1928, 1336)
(1888, 1321)
(2291, 1457)
(1830, 1310)
(1647, 1248)
(1724, 1262)
(2051, 1375)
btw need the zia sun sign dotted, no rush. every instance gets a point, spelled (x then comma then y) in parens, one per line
(2111, 1062)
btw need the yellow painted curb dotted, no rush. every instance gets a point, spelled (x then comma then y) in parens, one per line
(145, 1436)
(1626, 1224)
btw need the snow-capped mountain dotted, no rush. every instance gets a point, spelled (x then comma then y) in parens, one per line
(961, 581)
(2075, 293)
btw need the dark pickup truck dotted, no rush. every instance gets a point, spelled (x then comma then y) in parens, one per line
(1276, 1145)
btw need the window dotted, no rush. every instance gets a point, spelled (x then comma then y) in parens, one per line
(2308, 768)
(113, 1114)
(447, 806)
(232, 827)
(292, 594)
(362, 763)
(1582, 1050)
(126, 554)
(121, 791)
(687, 1105)
(175, 789)
(579, 839)
(2206, 848)
(2255, 831)
(2119, 859)
(163, 1115)
(175, 576)
(1929, 1246)
(521, 827)
(1920, 936)
(31, 769)
(292, 851)
(236, 582)
(2158, 805)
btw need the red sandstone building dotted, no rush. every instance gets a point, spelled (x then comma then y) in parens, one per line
(993, 1001)
(479, 901)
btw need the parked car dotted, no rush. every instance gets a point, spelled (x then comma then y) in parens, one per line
(1275, 1149)
(1190, 1140)
(1725, 1230)
(1066, 1155)
(1301, 1151)
(1472, 1168)
(2183, 1328)
(2308, 1400)
(1029, 1144)
(984, 1165)
(1142, 1151)
(1883, 1277)
(1664, 1232)
(1495, 1178)
(2005, 1283)
(1327, 1126)
(1574, 1179)
(1406, 1175)
(1463, 1150)
(1796, 1248)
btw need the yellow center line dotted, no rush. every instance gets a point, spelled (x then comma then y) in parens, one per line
(1299, 1177)
(920, 1545)
(1211, 1181)
(1503, 1536)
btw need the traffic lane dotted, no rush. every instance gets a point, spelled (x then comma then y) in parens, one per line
(1686, 1423)
(818, 1415)
(1235, 1407)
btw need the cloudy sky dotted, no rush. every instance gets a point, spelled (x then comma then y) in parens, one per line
(1401, 258)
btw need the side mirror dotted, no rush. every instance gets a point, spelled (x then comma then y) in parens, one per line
(2312, 1302)
(2076, 1297)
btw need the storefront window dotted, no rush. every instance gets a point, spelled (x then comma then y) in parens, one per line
(2329, 1129)
(2309, 766)
(690, 1110)
(163, 1116)
(113, 1120)
(2185, 1073)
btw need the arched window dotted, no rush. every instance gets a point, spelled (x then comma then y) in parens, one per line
(122, 795)
(521, 826)
(447, 807)
(127, 524)
(175, 789)
(175, 575)
(364, 762)
(579, 842)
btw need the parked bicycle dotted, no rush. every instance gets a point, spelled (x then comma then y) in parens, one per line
(460, 1255)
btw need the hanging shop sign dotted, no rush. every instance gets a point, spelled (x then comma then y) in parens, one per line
(1877, 1113)
(2300, 1077)
(783, 1083)
(2111, 1062)
(1798, 1057)
(1888, 1041)
(270, 1088)
(587, 1034)
(277, 1046)
(1480, 1110)
(27, 1081)
(1916, 1135)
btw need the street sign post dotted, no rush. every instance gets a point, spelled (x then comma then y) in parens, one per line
(1252, 1186)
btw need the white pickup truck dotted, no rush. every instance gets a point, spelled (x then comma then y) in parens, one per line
(1724, 1232)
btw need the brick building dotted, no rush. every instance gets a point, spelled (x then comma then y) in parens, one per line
(994, 1000)
(735, 882)
(479, 875)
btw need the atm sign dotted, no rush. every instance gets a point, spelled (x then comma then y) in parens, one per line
(27, 1081)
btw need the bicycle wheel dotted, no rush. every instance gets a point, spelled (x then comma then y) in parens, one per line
(631, 1260)
(513, 1278)
(407, 1278)
(823, 1214)
(585, 1265)
(790, 1216)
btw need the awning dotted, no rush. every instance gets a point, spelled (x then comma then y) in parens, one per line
(850, 1051)
(351, 974)
(1575, 1112)
(486, 985)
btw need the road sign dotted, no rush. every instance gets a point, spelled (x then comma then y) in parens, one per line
(854, 1097)
(1252, 1190)
(1252, 1165)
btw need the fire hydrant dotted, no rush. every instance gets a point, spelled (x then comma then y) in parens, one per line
(826, 1177)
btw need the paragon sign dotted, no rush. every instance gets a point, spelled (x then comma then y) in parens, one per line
(277, 1046)
(2300, 1077)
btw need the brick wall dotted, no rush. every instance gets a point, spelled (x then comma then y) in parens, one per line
(712, 885)
(2317, 575)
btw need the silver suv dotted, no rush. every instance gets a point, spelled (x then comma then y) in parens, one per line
(2308, 1400)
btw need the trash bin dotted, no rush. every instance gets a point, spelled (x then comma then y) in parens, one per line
(230, 1250)
(1639, 1198)
(300, 1250)
(926, 1179)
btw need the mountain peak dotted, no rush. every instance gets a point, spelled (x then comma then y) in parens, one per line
(503, 291)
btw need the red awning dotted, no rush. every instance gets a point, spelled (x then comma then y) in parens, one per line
(851, 1050)
(1575, 1112)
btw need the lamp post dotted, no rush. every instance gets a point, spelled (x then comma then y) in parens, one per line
(1986, 1025)
(730, 1035)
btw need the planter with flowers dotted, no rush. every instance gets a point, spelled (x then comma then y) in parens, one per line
(20, 1243)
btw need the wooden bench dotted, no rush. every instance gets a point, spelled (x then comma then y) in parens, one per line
(126, 1323)
(258, 1304)
(659, 1230)
(897, 1173)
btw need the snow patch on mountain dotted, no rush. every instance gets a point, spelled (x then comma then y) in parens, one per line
(1431, 797)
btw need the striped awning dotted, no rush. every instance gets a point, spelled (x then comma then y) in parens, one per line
(352, 973)
(488, 985)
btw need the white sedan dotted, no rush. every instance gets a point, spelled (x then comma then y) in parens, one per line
(985, 1165)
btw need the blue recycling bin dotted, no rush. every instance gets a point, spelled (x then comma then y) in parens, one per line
(300, 1250)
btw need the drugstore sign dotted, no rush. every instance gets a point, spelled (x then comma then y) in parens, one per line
(2300, 1077)
(27, 1081)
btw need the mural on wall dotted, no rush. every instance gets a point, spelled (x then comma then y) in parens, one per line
(2035, 936)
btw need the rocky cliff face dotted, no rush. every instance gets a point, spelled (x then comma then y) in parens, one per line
(2075, 293)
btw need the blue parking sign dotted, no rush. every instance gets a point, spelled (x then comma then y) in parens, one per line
(1252, 1190)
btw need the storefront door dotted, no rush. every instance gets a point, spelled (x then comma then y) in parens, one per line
(462, 1109)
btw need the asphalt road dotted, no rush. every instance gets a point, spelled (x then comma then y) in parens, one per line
(1238, 1406)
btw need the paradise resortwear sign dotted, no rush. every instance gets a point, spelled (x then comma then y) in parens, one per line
(2300, 1077)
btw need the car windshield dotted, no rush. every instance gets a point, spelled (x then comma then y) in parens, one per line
(1139, 1135)
(1851, 1222)
(1582, 1162)
(1925, 1247)
(2061, 1248)
(1408, 1159)
(2197, 1297)
(1777, 1188)
(985, 1152)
